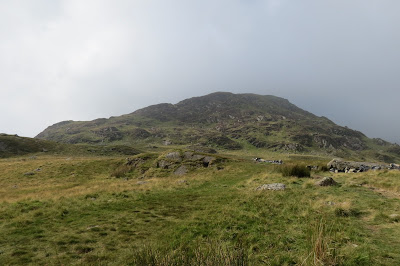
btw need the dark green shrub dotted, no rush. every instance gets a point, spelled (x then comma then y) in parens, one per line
(295, 170)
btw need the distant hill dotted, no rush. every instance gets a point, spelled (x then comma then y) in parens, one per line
(13, 145)
(227, 121)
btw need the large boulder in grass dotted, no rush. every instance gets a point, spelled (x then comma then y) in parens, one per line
(326, 181)
(338, 165)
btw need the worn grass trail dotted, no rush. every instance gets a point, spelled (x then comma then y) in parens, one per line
(72, 212)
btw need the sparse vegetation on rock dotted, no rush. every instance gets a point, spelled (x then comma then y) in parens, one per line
(225, 121)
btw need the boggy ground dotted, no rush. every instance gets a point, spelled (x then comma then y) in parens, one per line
(72, 212)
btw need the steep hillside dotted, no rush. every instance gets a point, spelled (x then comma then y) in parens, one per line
(13, 145)
(226, 121)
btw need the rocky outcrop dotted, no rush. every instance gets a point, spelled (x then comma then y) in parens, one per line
(326, 181)
(140, 133)
(260, 160)
(109, 133)
(183, 162)
(341, 166)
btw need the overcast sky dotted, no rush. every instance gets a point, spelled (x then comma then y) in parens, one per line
(81, 60)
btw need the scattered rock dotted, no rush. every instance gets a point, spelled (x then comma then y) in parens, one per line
(260, 118)
(167, 142)
(29, 173)
(259, 160)
(394, 166)
(182, 182)
(312, 167)
(273, 186)
(394, 216)
(326, 181)
(93, 226)
(141, 182)
(352, 170)
(182, 170)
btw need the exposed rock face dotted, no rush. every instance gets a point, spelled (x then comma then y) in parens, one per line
(326, 181)
(182, 163)
(182, 170)
(140, 133)
(273, 186)
(109, 133)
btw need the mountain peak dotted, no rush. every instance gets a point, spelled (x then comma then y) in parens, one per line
(221, 120)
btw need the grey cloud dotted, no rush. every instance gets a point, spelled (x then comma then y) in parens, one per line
(86, 59)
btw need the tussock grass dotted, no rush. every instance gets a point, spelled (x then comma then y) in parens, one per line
(208, 253)
(322, 243)
(296, 170)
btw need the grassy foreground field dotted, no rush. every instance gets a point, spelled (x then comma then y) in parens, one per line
(70, 211)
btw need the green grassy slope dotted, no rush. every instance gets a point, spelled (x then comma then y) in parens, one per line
(72, 212)
(12, 146)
